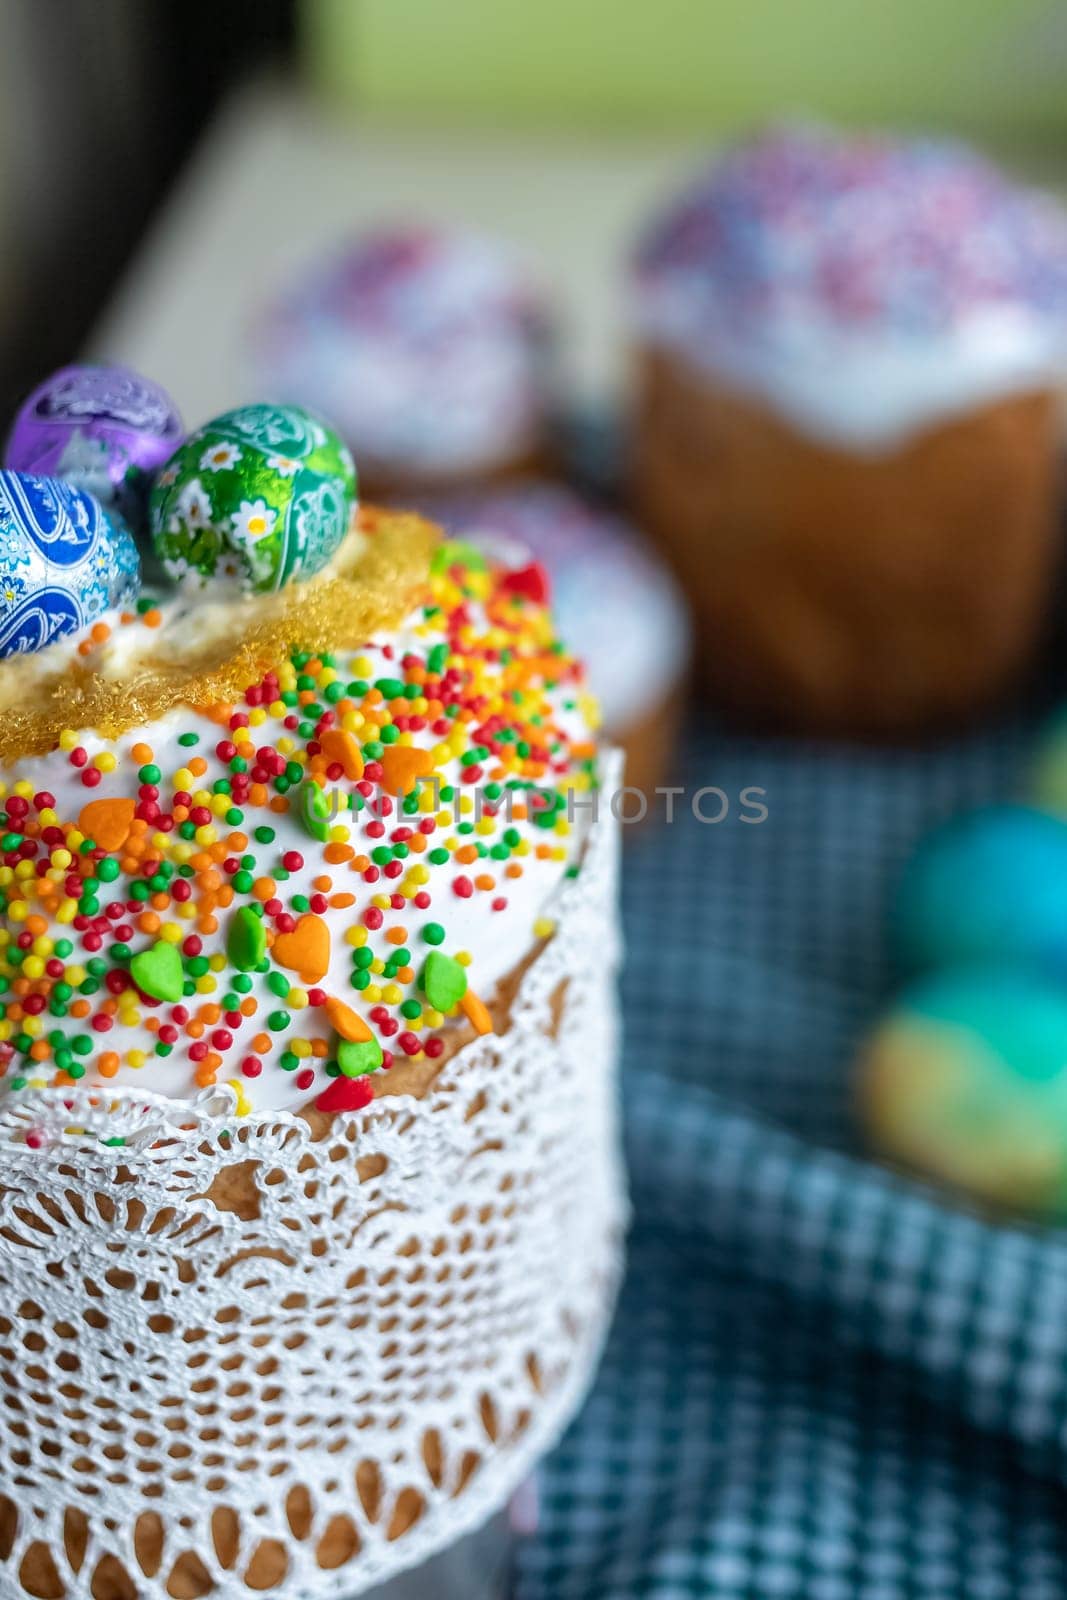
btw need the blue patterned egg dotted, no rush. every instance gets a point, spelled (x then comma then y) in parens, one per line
(63, 561)
(991, 885)
(965, 1080)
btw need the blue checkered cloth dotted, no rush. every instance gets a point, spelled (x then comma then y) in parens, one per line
(824, 1380)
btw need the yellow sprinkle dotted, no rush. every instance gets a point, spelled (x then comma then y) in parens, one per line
(544, 927)
(33, 967)
(392, 994)
(244, 1105)
(67, 911)
(170, 932)
(206, 834)
(68, 739)
(42, 945)
(464, 958)
(104, 761)
(356, 936)
(136, 1058)
(217, 961)
(23, 788)
(297, 998)
(301, 1047)
(61, 858)
(183, 779)
(381, 901)
(372, 993)
(206, 984)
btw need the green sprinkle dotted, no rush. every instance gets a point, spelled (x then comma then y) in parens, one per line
(246, 939)
(188, 739)
(433, 933)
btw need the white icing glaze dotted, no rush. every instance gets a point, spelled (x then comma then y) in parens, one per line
(867, 389)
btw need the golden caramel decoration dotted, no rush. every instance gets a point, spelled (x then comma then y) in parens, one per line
(216, 648)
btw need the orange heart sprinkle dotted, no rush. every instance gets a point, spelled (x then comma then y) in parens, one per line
(343, 747)
(347, 1022)
(306, 950)
(402, 766)
(107, 822)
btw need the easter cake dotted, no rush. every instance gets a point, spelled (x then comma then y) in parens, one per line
(429, 349)
(846, 432)
(307, 944)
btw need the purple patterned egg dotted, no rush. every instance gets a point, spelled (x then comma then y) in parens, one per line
(104, 429)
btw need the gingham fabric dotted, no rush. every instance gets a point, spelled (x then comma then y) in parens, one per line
(824, 1380)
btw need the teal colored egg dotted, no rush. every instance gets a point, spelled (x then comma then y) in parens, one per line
(1046, 784)
(263, 494)
(965, 1080)
(991, 885)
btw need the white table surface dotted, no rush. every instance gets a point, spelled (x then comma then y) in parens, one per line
(277, 180)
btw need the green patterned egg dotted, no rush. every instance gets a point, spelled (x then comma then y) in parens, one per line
(262, 494)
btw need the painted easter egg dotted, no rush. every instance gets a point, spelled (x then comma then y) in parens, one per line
(989, 885)
(63, 561)
(104, 429)
(262, 495)
(965, 1080)
(1046, 781)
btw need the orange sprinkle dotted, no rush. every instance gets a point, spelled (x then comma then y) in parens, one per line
(204, 1076)
(405, 975)
(397, 935)
(80, 1008)
(148, 922)
(476, 1012)
(279, 804)
(152, 618)
(248, 1006)
(513, 870)
(197, 766)
(485, 880)
(36, 925)
(336, 853)
(99, 632)
(322, 884)
(261, 1043)
(141, 753)
(306, 950)
(320, 1048)
(402, 767)
(341, 902)
(466, 853)
(209, 1012)
(40, 1050)
(348, 1023)
(257, 794)
(338, 745)
(263, 889)
(108, 1064)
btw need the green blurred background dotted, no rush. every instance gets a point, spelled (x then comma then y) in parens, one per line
(990, 67)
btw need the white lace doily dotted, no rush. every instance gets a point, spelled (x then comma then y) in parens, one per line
(233, 1357)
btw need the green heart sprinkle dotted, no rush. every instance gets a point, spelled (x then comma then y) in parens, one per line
(357, 1056)
(314, 808)
(246, 940)
(444, 981)
(158, 971)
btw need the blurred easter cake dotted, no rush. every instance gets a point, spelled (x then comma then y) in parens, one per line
(428, 349)
(848, 350)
